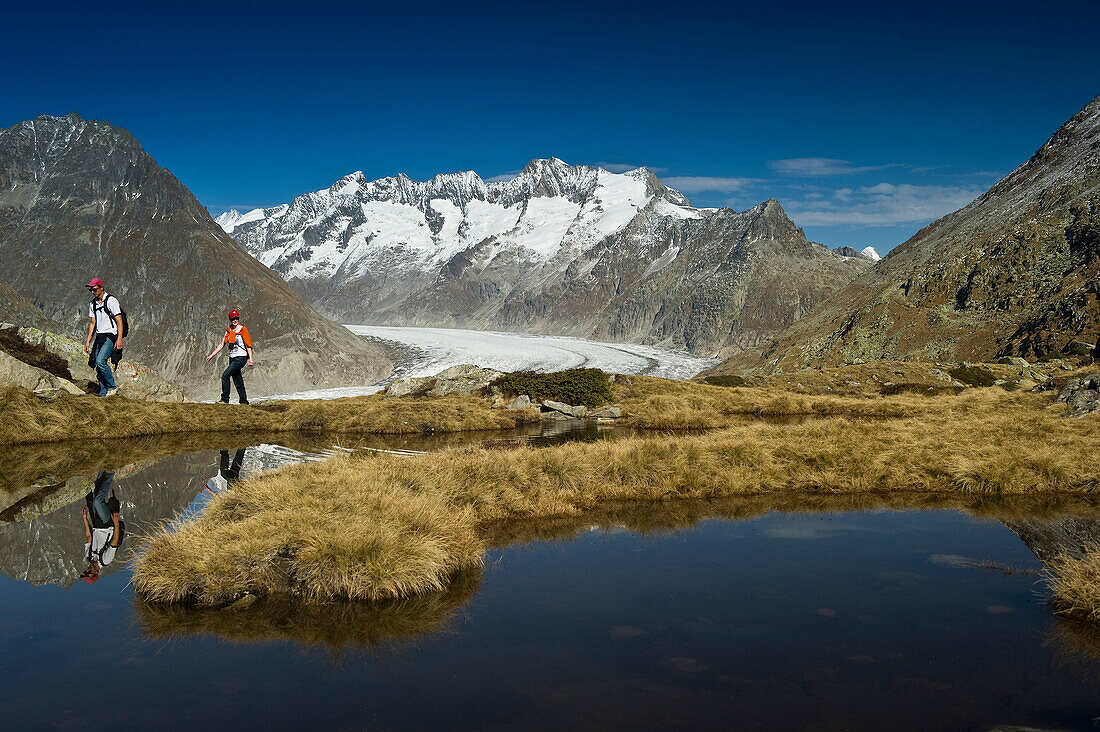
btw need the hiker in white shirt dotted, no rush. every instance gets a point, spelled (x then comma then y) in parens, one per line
(105, 324)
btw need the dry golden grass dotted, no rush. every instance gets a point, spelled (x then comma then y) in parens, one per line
(1075, 584)
(650, 403)
(385, 526)
(367, 540)
(26, 419)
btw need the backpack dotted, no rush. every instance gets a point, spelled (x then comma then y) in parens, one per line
(125, 320)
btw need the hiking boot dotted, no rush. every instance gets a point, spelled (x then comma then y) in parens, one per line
(223, 401)
(245, 403)
(111, 392)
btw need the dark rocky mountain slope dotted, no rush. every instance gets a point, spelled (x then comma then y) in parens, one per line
(1016, 272)
(80, 199)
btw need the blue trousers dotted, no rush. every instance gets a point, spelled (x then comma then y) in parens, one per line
(233, 371)
(103, 370)
(100, 495)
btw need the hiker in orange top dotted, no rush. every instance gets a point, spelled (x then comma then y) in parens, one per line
(240, 354)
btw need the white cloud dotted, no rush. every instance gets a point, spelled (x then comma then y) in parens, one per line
(816, 167)
(502, 177)
(701, 183)
(883, 204)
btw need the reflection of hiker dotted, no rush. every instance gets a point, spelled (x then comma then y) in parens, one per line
(105, 324)
(103, 527)
(240, 353)
(228, 473)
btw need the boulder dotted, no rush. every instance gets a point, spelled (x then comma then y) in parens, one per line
(521, 402)
(461, 379)
(1033, 374)
(1014, 361)
(14, 372)
(606, 413)
(1078, 348)
(578, 411)
(1082, 395)
(136, 380)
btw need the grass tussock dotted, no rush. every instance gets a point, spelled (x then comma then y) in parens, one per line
(973, 375)
(320, 532)
(1075, 584)
(650, 403)
(26, 419)
(379, 527)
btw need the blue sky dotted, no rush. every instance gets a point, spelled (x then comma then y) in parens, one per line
(865, 120)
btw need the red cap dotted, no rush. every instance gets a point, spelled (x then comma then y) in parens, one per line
(234, 314)
(89, 579)
(96, 282)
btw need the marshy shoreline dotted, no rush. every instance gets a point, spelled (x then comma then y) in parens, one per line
(385, 528)
(381, 528)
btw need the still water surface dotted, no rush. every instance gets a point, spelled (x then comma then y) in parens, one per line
(642, 617)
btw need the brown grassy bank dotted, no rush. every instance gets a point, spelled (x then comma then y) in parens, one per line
(25, 419)
(371, 527)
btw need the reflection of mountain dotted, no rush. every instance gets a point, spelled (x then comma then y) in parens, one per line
(48, 548)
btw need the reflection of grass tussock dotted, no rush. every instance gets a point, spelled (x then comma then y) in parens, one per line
(1078, 637)
(374, 626)
(667, 516)
(987, 443)
(26, 419)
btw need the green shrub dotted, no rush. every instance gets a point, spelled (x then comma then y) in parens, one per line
(724, 380)
(919, 388)
(973, 375)
(589, 387)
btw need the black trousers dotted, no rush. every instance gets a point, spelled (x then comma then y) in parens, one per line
(233, 371)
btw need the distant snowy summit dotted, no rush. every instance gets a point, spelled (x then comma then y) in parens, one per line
(558, 249)
(866, 253)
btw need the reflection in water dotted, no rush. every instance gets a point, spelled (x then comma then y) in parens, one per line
(39, 533)
(103, 526)
(371, 626)
(229, 472)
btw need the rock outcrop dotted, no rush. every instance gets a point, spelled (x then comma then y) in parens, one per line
(80, 198)
(134, 380)
(462, 379)
(1082, 395)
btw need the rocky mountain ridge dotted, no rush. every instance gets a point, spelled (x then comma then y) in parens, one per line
(81, 198)
(1015, 272)
(559, 249)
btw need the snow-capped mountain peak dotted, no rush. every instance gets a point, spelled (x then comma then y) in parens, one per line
(870, 253)
(569, 249)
